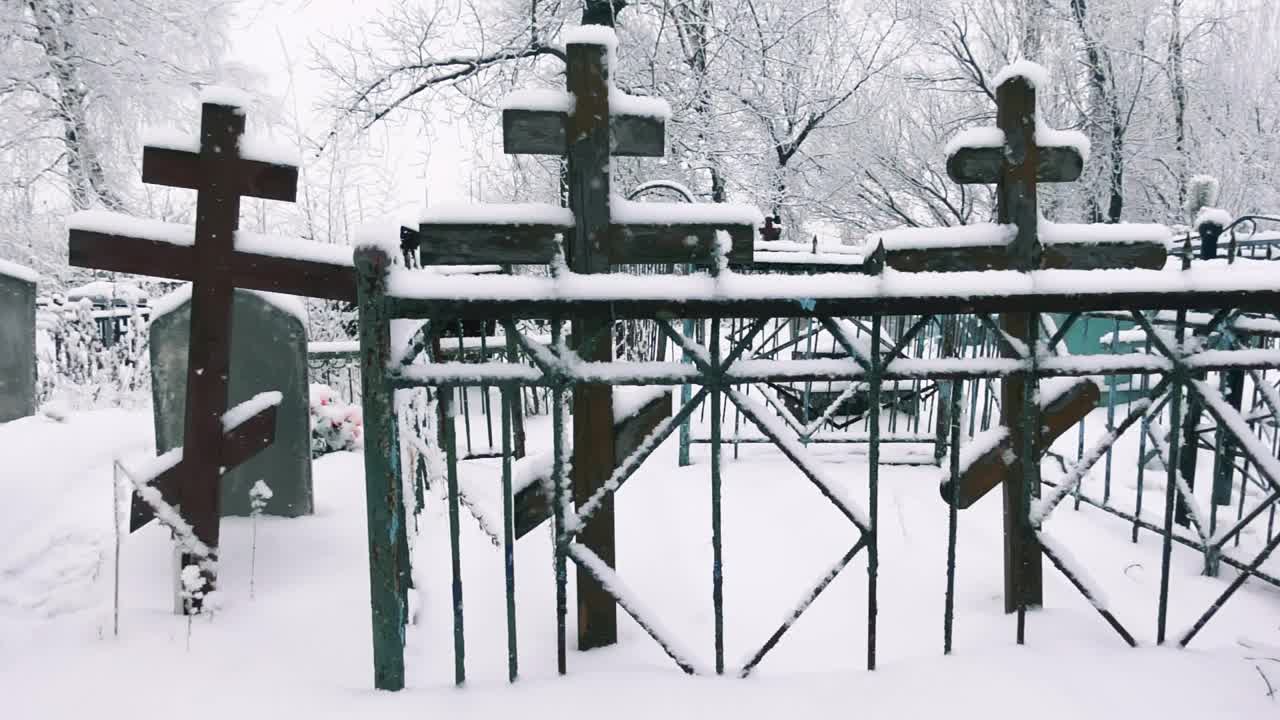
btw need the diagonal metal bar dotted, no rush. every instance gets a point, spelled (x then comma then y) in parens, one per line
(771, 399)
(1231, 590)
(906, 339)
(741, 345)
(799, 456)
(848, 343)
(695, 351)
(1006, 343)
(1140, 408)
(1062, 331)
(1215, 322)
(1156, 341)
(1181, 487)
(609, 580)
(1180, 539)
(1235, 424)
(632, 462)
(543, 358)
(799, 610)
(1220, 540)
(1088, 594)
(1269, 396)
(830, 410)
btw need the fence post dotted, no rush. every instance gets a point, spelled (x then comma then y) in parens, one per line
(384, 499)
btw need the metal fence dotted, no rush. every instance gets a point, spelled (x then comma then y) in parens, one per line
(1178, 372)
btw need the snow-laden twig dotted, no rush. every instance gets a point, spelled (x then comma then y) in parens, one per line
(259, 495)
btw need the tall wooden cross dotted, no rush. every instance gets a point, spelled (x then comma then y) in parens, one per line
(1016, 166)
(588, 130)
(221, 173)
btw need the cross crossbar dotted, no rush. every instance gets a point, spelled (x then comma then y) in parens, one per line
(250, 270)
(982, 165)
(221, 172)
(542, 132)
(239, 444)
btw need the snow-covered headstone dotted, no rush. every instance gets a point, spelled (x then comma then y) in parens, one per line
(17, 341)
(268, 353)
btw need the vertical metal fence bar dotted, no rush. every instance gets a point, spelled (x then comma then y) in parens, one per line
(462, 389)
(1171, 465)
(686, 392)
(485, 401)
(948, 616)
(873, 502)
(1113, 385)
(506, 398)
(449, 432)
(558, 491)
(1142, 454)
(717, 567)
(1030, 453)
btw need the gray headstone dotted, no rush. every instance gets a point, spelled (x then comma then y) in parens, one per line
(17, 342)
(268, 352)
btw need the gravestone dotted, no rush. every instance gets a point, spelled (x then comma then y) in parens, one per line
(268, 352)
(17, 341)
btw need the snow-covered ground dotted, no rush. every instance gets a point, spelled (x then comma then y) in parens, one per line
(301, 647)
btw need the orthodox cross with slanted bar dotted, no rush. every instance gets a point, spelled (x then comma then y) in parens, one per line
(588, 124)
(221, 174)
(1016, 156)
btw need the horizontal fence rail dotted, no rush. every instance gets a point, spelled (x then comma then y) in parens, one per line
(762, 368)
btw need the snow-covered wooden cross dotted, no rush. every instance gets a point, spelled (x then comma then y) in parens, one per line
(222, 167)
(588, 123)
(1017, 155)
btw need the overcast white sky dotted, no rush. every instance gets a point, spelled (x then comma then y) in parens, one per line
(274, 35)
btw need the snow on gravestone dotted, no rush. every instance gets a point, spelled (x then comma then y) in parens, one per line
(268, 352)
(17, 341)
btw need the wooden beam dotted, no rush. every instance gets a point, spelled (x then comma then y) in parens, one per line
(180, 168)
(476, 244)
(542, 132)
(1058, 256)
(692, 244)
(238, 445)
(532, 507)
(254, 271)
(981, 166)
(989, 470)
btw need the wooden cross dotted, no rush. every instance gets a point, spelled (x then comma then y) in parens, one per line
(221, 175)
(587, 133)
(1017, 167)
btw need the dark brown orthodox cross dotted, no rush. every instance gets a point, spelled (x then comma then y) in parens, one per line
(1016, 167)
(587, 133)
(221, 175)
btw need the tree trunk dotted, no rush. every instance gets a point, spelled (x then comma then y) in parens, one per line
(1178, 88)
(86, 177)
(602, 12)
(1105, 121)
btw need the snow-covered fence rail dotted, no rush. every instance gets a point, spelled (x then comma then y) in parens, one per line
(724, 362)
(1035, 276)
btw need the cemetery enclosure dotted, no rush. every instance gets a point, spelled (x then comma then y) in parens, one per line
(719, 372)
(794, 359)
